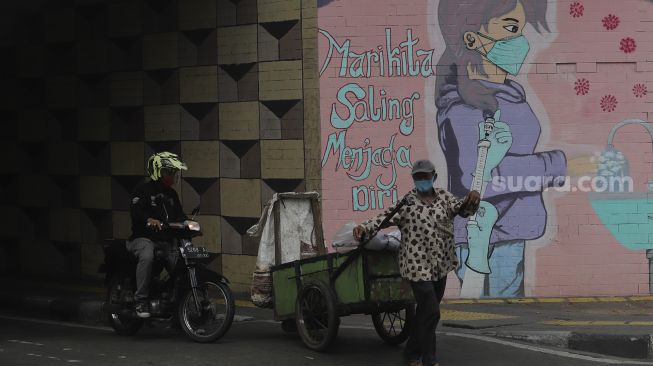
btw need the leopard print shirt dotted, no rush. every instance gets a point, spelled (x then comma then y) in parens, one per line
(427, 251)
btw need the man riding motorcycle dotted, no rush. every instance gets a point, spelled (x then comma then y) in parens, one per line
(152, 204)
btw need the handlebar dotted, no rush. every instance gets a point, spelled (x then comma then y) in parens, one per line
(189, 225)
(174, 225)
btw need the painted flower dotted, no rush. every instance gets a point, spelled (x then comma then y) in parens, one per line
(611, 22)
(576, 10)
(628, 45)
(609, 103)
(640, 90)
(582, 86)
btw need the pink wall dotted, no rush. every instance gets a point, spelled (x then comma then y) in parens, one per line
(583, 257)
(595, 54)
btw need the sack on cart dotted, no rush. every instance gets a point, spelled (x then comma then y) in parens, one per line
(344, 240)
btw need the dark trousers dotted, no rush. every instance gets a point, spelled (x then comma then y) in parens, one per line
(147, 251)
(421, 345)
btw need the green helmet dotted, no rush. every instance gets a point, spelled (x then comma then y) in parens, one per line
(163, 160)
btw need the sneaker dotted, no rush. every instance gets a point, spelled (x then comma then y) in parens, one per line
(142, 310)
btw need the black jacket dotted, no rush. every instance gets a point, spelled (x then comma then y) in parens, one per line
(148, 201)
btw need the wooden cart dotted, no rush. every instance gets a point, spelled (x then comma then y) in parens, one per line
(310, 295)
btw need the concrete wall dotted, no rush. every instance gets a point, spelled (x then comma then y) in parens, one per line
(91, 88)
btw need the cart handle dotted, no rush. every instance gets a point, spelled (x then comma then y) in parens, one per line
(388, 217)
(341, 268)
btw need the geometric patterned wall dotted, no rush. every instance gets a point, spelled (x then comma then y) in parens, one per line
(95, 87)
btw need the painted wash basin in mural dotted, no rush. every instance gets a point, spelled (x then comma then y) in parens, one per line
(628, 215)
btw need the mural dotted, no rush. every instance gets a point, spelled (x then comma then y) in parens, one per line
(514, 98)
(482, 50)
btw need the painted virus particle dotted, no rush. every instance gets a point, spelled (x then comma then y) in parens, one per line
(640, 90)
(608, 103)
(628, 45)
(576, 10)
(582, 86)
(611, 22)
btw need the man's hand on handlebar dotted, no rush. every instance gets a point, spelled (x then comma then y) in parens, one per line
(473, 199)
(154, 224)
(359, 232)
(470, 204)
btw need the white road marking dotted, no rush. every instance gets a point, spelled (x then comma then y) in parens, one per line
(24, 342)
(38, 355)
(242, 318)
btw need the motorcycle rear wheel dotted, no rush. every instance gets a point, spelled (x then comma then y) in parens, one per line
(121, 324)
(216, 313)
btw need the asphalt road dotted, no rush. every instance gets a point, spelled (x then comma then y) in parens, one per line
(25, 341)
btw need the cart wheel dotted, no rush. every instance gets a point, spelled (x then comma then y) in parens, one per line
(317, 321)
(394, 326)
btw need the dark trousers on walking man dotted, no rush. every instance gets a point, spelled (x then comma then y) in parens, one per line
(421, 345)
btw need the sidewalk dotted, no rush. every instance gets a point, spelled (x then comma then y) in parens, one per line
(616, 326)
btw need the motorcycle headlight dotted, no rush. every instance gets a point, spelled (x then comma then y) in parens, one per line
(193, 225)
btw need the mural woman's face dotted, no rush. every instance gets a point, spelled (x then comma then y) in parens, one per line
(506, 25)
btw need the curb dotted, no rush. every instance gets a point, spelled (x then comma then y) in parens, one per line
(551, 300)
(88, 311)
(85, 311)
(639, 346)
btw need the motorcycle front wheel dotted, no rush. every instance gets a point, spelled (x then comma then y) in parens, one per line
(209, 316)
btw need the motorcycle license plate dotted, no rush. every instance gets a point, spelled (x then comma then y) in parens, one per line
(196, 252)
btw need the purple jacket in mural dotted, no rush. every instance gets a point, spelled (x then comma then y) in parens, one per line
(522, 215)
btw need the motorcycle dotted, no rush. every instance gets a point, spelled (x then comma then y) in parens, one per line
(193, 297)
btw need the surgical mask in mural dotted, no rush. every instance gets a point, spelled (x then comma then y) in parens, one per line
(508, 53)
(424, 185)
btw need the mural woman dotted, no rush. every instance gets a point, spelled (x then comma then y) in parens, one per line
(484, 47)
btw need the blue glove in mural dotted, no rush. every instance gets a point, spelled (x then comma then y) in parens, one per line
(479, 229)
(500, 140)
